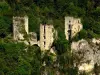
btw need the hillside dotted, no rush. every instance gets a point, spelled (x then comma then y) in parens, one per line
(20, 59)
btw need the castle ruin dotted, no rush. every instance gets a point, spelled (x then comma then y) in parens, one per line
(21, 33)
(20, 27)
(46, 36)
(47, 31)
(72, 27)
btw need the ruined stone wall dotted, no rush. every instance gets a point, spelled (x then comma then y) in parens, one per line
(32, 38)
(26, 24)
(20, 27)
(73, 24)
(46, 36)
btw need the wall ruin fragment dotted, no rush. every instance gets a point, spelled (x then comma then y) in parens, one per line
(72, 27)
(20, 27)
(46, 36)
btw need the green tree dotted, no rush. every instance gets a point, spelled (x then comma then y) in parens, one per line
(4, 8)
(5, 26)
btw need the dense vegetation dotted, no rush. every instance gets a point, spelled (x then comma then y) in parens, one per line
(51, 11)
(19, 59)
(15, 60)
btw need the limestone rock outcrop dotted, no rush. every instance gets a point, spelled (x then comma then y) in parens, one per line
(86, 54)
(94, 40)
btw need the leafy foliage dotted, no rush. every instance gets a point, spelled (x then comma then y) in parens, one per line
(18, 59)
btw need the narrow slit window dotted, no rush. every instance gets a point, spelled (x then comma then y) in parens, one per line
(44, 43)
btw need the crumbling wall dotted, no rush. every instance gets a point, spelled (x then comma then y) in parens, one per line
(72, 26)
(46, 36)
(20, 27)
(21, 33)
(32, 38)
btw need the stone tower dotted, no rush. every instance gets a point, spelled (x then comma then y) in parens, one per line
(72, 27)
(20, 27)
(46, 36)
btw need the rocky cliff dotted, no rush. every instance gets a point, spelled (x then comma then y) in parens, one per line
(87, 55)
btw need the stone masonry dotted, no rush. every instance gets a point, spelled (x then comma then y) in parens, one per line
(20, 27)
(72, 27)
(46, 36)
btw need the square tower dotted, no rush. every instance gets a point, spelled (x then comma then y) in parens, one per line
(20, 27)
(72, 27)
(46, 36)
